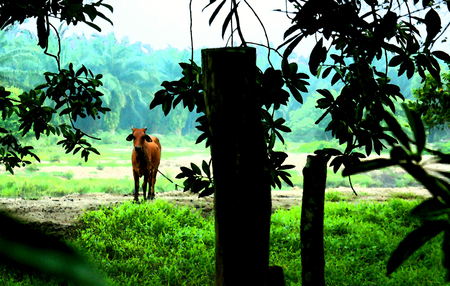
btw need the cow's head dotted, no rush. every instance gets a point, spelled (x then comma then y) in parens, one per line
(139, 137)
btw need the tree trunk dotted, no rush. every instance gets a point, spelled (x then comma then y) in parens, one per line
(242, 199)
(311, 227)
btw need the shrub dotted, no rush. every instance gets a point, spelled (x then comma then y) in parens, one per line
(55, 158)
(69, 175)
(335, 196)
(100, 167)
(32, 168)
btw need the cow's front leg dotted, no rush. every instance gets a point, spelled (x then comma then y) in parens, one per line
(136, 186)
(144, 186)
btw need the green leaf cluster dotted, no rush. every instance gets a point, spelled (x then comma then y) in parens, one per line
(349, 46)
(432, 101)
(195, 181)
(271, 96)
(72, 93)
(434, 211)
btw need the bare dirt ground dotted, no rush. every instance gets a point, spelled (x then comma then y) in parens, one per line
(58, 215)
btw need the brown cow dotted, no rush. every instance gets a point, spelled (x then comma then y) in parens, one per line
(145, 159)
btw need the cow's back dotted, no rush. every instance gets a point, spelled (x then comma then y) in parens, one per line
(154, 149)
(156, 141)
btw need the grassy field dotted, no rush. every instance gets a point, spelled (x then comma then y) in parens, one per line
(115, 152)
(159, 244)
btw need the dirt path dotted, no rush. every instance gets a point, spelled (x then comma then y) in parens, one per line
(57, 215)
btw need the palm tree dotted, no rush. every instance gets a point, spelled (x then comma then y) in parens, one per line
(19, 61)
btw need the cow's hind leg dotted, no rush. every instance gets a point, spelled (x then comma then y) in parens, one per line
(136, 186)
(152, 182)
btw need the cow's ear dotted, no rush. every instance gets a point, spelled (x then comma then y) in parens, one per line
(148, 138)
(130, 137)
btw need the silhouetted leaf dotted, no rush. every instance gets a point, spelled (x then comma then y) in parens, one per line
(214, 14)
(42, 32)
(92, 25)
(433, 23)
(293, 43)
(318, 55)
(43, 253)
(285, 177)
(396, 129)
(417, 128)
(337, 76)
(326, 72)
(296, 94)
(395, 61)
(210, 3)
(205, 168)
(327, 94)
(196, 169)
(207, 192)
(430, 209)
(228, 19)
(367, 166)
(413, 241)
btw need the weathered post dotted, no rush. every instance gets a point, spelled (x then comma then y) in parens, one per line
(311, 226)
(242, 201)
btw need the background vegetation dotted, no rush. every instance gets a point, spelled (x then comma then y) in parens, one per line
(132, 73)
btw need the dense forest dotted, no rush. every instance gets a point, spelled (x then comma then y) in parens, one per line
(132, 73)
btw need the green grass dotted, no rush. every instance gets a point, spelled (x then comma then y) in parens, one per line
(159, 244)
(151, 243)
(58, 184)
(33, 184)
(116, 152)
(335, 196)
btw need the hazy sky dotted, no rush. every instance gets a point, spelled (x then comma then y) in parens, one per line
(166, 23)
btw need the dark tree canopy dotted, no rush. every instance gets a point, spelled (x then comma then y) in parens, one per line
(74, 93)
(350, 37)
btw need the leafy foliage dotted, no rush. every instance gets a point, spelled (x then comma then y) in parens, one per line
(434, 212)
(74, 91)
(357, 35)
(432, 101)
(69, 11)
(271, 96)
(196, 181)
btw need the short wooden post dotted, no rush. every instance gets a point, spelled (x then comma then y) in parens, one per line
(242, 200)
(311, 226)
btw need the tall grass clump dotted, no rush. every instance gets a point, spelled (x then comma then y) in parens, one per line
(177, 246)
(359, 239)
(150, 244)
